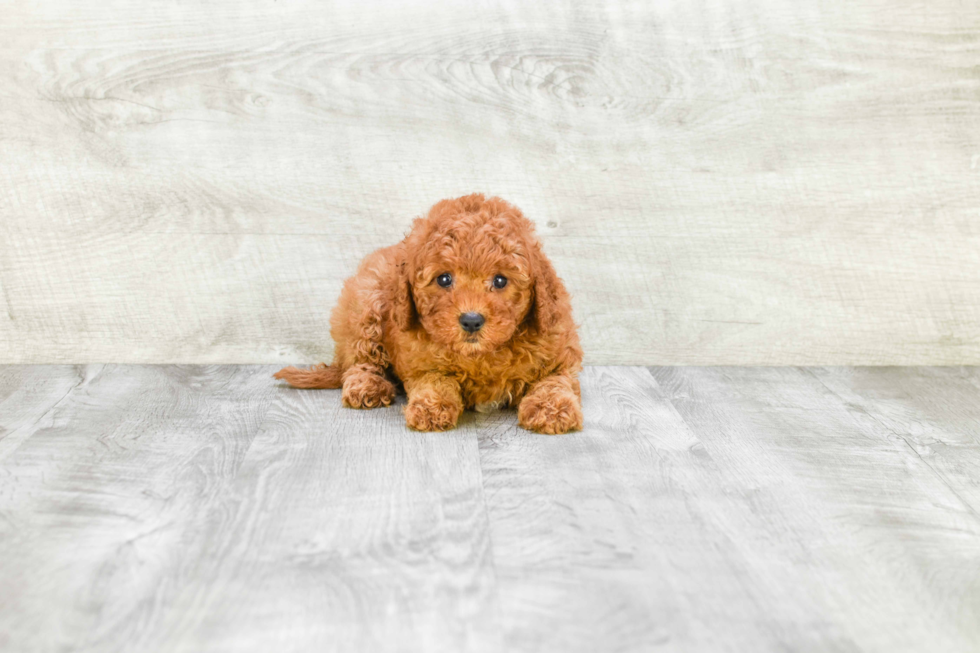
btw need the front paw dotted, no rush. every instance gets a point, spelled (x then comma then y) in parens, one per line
(431, 414)
(550, 412)
(367, 390)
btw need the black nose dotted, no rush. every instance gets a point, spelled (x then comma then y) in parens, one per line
(471, 322)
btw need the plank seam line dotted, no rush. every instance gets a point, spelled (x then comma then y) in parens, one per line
(44, 414)
(901, 437)
(670, 402)
(486, 519)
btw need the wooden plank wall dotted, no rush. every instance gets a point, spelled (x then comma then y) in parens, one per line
(718, 182)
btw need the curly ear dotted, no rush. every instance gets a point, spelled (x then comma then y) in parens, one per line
(403, 304)
(551, 300)
(403, 309)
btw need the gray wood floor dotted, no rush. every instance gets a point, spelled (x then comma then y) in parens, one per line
(174, 508)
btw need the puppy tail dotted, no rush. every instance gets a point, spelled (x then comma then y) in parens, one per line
(318, 376)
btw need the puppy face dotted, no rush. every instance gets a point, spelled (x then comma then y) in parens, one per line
(470, 273)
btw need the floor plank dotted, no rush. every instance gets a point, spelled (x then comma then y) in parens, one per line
(582, 559)
(104, 501)
(29, 395)
(934, 411)
(208, 508)
(212, 509)
(344, 531)
(851, 541)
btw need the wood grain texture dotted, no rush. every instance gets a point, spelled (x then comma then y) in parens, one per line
(584, 527)
(207, 508)
(722, 182)
(848, 538)
(344, 531)
(103, 504)
(933, 411)
(212, 509)
(727, 509)
(29, 396)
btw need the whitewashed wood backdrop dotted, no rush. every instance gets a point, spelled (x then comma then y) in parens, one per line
(718, 181)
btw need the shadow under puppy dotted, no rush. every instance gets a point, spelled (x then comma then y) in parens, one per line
(466, 312)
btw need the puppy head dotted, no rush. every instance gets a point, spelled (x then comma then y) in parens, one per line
(474, 273)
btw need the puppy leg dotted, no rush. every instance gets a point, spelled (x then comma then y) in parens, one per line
(434, 402)
(553, 405)
(364, 381)
(365, 386)
(357, 327)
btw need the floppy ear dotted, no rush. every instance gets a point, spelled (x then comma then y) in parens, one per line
(403, 304)
(550, 297)
(403, 309)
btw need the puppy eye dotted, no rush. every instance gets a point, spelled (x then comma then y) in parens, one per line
(499, 281)
(445, 280)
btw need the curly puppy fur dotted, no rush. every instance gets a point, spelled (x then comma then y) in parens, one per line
(396, 323)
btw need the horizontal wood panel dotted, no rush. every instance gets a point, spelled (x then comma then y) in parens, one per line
(730, 183)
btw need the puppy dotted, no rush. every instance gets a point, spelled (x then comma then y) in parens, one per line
(465, 312)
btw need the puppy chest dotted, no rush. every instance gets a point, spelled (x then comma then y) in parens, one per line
(487, 395)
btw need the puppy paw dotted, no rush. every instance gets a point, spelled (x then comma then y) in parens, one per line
(367, 390)
(550, 412)
(431, 414)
